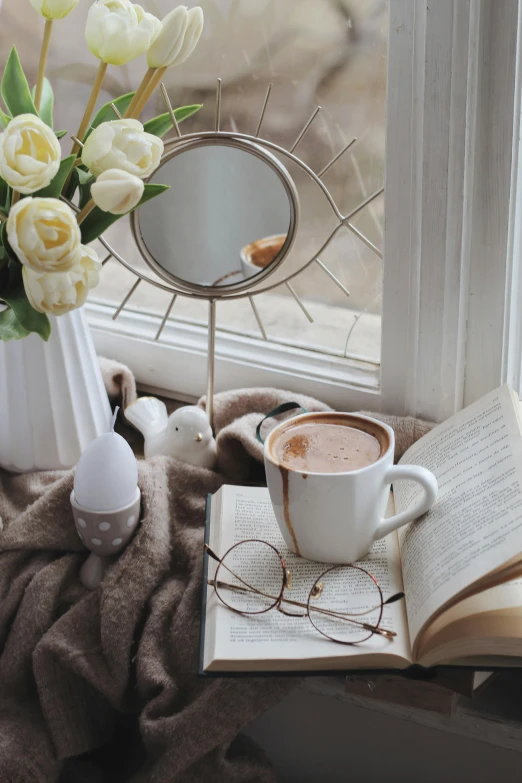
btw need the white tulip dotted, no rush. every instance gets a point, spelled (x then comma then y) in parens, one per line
(54, 9)
(57, 293)
(118, 31)
(167, 45)
(44, 234)
(124, 145)
(117, 191)
(192, 36)
(29, 154)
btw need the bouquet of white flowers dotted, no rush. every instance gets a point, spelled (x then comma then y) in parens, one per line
(51, 209)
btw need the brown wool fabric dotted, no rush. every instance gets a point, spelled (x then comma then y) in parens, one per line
(104, 683)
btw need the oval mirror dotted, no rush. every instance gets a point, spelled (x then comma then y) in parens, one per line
(228, 220)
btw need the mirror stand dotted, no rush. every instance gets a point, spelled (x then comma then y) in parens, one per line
(211, 367)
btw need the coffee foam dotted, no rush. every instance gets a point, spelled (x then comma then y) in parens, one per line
(262, 252)
(332, 443)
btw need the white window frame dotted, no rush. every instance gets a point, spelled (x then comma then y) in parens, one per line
(452, 310)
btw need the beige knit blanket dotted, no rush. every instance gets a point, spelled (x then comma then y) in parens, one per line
(103, 685)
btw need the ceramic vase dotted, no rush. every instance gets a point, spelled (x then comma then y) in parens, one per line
(53, 401)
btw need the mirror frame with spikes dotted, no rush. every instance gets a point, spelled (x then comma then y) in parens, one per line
(253, 286)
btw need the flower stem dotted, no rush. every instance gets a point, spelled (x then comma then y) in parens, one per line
(15, 197)
(3, 216)
(43, 63)
(146, 95)
(88, 208)
(96, 87)
(84, 125)
(139, 92)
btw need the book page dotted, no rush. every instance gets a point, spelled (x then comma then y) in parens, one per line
(476, 524)
(482, 629)
(247, 513)
(496, 599)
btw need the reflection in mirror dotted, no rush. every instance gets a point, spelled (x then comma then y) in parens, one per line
(224, 220)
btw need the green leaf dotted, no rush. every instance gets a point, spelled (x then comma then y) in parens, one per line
(150, 192)
(60, 134)
(161, 125)
(54, 190)
(85, 180)
(10, 326)
(82, 180)
(106, 113)
(15, 296)
(47, 102)
(98, 222)
(85, 193)
(4, 192)
(15, 89)
(5, 119)
(4, 261)
(79, 177)
(84, 176)
(4, 239)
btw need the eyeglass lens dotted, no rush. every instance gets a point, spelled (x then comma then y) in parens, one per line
(255, 570)
(342, 602)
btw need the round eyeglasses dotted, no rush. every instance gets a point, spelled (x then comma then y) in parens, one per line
(345, 603)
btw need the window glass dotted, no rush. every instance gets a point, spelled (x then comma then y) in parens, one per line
(315, 52)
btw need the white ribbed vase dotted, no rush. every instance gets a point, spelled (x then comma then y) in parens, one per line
(53, 401)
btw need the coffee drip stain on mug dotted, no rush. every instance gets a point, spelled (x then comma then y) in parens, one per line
(286, 508)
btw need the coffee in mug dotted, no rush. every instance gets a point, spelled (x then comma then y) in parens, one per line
(325, 447)
(329, 478)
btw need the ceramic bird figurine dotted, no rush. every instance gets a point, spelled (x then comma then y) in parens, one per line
(185, 435)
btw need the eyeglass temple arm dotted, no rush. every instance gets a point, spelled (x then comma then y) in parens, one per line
(393, 598)
(212, 554)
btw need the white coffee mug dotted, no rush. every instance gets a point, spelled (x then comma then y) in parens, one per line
(336, 517)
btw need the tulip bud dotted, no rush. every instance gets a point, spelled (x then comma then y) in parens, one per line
(118, 31)
(117, 191)
(181, 30)
(122, 144)
(54, 9)
(167, 45)
(192, 35)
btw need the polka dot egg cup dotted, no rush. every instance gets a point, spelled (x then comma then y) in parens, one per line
(106, 534)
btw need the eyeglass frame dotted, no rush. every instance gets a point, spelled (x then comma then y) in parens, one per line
(315, 591)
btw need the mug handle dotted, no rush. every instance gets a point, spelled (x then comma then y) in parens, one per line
(286, 406)
(411, 473)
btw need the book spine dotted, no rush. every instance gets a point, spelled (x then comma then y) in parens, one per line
(203, 619)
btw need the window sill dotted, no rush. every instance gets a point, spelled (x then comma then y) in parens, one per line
(177, 364)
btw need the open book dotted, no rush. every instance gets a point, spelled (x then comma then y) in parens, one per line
(458, 565)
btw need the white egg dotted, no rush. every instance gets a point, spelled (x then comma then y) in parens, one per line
(106, 477)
